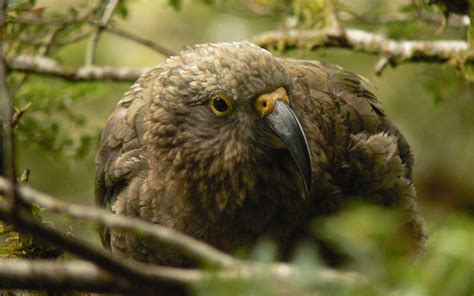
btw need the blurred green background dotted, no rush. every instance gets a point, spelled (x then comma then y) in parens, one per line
(433, 105)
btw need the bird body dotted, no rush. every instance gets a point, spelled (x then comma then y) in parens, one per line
(227, 143)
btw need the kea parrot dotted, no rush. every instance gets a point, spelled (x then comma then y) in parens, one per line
(227, 143)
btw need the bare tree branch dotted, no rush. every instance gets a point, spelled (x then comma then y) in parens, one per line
(187, 245)
(80, 275)
(59, 276)
(397, 52)
(48, 67)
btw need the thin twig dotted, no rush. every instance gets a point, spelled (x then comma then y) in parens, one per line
(44, 50)
(108, 28)
(19, 114)
(140, 40)
(94, 39)
(25, 177)
(381, 65)
(48, 42)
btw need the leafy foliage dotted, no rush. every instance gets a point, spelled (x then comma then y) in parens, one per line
(53, 116)
(370, 236)
(176, 4)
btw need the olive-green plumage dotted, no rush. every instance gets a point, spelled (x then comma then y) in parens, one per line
(169, 157)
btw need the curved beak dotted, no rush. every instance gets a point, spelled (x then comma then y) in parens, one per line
(284, 123)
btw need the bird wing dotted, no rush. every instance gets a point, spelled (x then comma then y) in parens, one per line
(121, 155)
(379, 157)
(364, 110)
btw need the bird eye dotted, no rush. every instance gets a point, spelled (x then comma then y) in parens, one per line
(221, 105)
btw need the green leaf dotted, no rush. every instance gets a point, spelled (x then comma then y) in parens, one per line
(176, 4)
(122, 10)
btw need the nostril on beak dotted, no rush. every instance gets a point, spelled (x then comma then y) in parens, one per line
(266, 102)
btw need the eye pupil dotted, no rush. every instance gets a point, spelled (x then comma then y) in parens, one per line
(220, 105)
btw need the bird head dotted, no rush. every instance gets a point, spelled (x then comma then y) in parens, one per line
(221, 116)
